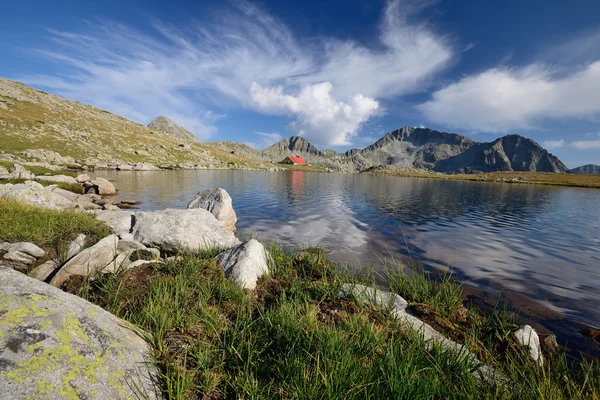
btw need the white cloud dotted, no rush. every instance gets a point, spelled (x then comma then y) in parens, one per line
(319, 115)
(586, 144)
(211, 65)
(503, 99)
(469, 46)
(554, 144)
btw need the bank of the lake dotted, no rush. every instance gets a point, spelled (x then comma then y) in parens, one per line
(310, 326)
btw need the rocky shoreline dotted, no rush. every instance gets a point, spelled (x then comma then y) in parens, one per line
(37, 320)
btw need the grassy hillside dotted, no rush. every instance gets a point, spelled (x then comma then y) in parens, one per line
(33, 119)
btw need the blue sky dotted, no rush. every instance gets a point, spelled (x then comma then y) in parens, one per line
(340, 73)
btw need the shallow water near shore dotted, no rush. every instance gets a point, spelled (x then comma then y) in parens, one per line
(535, 242)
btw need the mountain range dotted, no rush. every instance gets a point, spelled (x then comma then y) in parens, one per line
(32, 121)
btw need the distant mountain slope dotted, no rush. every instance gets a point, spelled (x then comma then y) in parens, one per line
(31, 119)
(410, 147)
(163, 124)
(508, 153)
(586, 169)
(294, 145)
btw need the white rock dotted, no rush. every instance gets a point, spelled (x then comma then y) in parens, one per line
(76, 246)
(120, 221)
(66, 336)
(3, 172)
(81, 178)
(188, 230)
(66, 194)
(245, 264)
(56, 178)
(34, 193)
(219, 203)
(89, 261)
(27, 248)
(526, 336)
(43, 271)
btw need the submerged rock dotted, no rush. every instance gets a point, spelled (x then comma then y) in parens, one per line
(56, 345)
(245, 264)
(188, 230)
(219, 203)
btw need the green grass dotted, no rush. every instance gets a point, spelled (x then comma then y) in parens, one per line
(37, 170)
(293, 338)
(71, 187)
(22, 222)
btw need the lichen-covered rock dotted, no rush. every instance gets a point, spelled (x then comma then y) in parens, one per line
(34, 193)
(90, 261)
(56, 345)
(219, 203)
(188, 230)
(527, 337)
(245, 264)
(100, 186)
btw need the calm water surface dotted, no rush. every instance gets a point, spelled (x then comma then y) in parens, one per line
(542, 242)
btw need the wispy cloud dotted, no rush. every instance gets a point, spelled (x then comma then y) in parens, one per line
(586, 144)
(469, 46)
(554, 144)
(238, 57)
(501, 99)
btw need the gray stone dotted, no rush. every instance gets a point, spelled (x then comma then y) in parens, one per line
(100, 186)
(3, 172)
(89, 262)
(43, 271)
(56, 178)
(81, 178)
(125, 245)
(121, 222)
(66, 194)
(219, 203)
(527, 337)
(27, 248)
(34, 193)
(19, 172)
(57, 345)
(245, 264)
(76, 246)
(188, 230)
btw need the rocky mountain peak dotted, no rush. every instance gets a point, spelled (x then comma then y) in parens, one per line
(164, 124)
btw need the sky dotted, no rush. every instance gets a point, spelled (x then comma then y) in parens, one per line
(340, 73)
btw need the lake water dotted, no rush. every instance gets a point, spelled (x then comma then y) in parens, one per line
(537, 241)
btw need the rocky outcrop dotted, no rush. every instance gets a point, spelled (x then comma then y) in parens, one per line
(219, 203)
(163, 124)
(19, 172)
(527, 337)
(121, 222)
(20, 255)
(34, 193)
(508, 153)
(586, 169)
(100, 186)
(245, 264)
(187, 230)
(82, 178)
(56, 345)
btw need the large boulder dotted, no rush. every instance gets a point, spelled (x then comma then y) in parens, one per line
(218, 202)
(121, 222)
(100, 186)
(56, 345)
(188, 230)
(245, 264)
(56, 178)
(88, 262)
(82, 178)
(34, 193)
